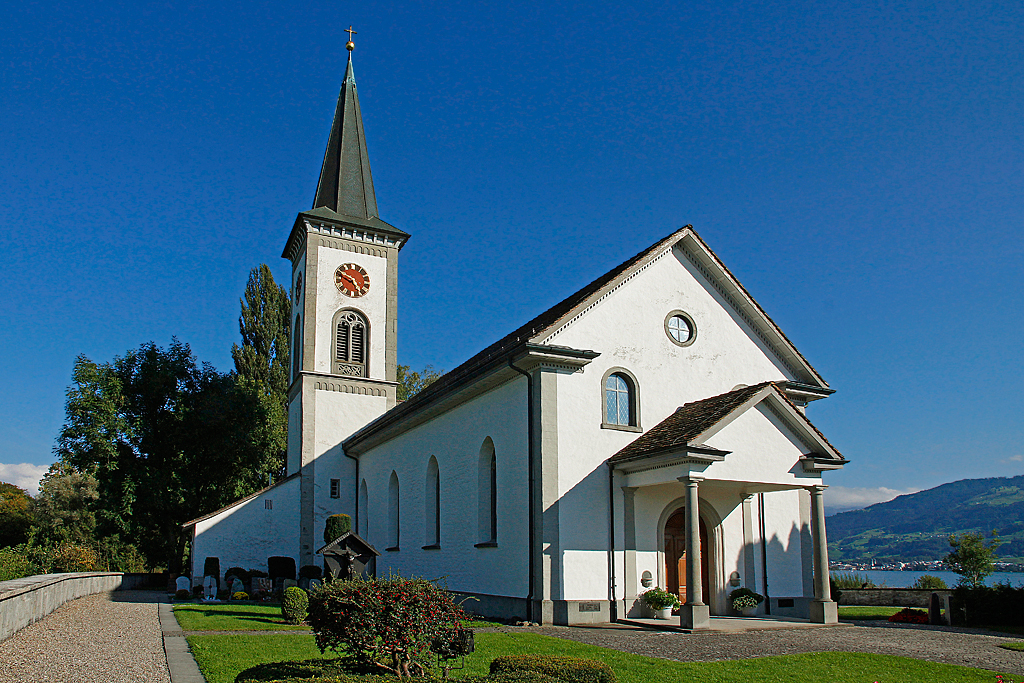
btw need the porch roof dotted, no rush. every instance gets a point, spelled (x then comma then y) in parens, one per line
(684, 431)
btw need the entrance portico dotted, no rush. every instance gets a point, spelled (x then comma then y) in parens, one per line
(682, 467)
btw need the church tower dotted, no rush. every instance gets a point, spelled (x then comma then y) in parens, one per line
(344, 280)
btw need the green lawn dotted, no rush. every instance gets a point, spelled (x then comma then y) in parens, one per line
(235, 616)
(231, 617)
(222, 657)
(1018, 646)
(857, 612)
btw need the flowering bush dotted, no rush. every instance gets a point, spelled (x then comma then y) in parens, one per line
(656, 598)
(240, 595)
(910, 616)
(744, 602)
(383, 623)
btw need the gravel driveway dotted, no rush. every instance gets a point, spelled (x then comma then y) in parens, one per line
(949, 646)
(102, 638)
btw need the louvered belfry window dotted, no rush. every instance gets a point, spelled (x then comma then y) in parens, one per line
(350, 342)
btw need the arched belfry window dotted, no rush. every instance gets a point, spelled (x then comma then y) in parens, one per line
(487, 495)
(621, 406)
(432, 513)
(393, 510)
(351, 344)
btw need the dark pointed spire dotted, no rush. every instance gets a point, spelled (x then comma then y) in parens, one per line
(346, 186)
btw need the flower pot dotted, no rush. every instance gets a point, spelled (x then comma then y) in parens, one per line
(664, 613)
(749, 611)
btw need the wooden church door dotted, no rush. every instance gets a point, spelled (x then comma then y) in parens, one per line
(675, 557)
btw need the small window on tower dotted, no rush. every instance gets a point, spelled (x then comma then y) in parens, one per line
(335, 488)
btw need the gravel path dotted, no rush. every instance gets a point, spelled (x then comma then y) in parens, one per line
(949, 646)
(102, 638)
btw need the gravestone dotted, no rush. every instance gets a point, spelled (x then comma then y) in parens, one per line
(935, 611)
(183, 583)
(237, 586)
(210, 588)
(315, 583)
(261, 585)
(288, 583)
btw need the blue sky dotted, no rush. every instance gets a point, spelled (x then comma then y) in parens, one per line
(857, 165)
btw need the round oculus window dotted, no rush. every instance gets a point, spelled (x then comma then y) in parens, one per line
(680, 328)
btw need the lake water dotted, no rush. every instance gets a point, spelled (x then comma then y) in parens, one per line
(897, 579)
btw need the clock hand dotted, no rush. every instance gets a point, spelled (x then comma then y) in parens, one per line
(350, 279)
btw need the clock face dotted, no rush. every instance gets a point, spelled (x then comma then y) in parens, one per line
(352, 280)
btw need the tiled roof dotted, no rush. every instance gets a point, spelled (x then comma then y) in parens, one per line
(687, 423)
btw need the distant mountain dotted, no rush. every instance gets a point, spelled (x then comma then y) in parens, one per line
(916, 526)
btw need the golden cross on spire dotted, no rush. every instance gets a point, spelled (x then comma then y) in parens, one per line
(350, 45)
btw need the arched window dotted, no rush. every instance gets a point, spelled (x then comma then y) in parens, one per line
(487, 495)
(362, 511)
(621, 407)
(432, 500)
(393, 509)
(296, 349)
(351, 343)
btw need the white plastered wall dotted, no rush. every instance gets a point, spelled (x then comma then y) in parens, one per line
(247, 534)
(329, 300)
(455, 439)
(627, 329)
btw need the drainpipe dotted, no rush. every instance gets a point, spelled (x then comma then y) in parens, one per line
(355, 517)
(613, 608)
(530, 487)
(764, 556)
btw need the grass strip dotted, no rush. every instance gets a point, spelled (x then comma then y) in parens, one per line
(232, 617)
(222, 657)
(853, 613)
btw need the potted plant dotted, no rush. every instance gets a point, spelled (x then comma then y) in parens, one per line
(745, 601)
(661, 602)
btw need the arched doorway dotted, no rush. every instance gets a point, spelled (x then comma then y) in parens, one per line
(675, 557)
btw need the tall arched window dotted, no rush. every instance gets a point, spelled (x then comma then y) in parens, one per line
(351, 343)
(393, 509)
(362, 510)
(296, 349)
(432, 504)
(621, 408)
(487, 495)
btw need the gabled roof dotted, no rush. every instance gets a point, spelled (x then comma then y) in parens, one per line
(246, 499)
(349, 537)
(538, 331)
(693, 423)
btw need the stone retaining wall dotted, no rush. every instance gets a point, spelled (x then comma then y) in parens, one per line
(25, 601)
(889, 597)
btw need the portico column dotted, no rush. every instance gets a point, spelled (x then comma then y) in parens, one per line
(694, 614)
(823, 609)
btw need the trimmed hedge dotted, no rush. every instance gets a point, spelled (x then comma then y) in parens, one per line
(294, 605)
(570, 669)
(335, 526)
(280, 567)
(999, 605)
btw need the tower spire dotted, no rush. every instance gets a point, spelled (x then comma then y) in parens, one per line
(346, 186)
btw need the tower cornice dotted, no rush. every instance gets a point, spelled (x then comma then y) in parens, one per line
(323, 221)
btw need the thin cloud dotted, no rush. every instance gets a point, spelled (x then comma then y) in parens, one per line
(843, 498)
(24, 475)
(1015, 458)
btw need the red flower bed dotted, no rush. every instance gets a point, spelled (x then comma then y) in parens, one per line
(910, 616)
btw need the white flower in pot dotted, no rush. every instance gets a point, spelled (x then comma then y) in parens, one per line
(661, 602)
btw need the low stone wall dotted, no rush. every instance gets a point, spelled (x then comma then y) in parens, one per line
(889, 597)
(25, 601)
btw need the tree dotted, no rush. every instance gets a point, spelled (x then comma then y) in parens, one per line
(166, 438)
(64, 507)
(15, 515)
(971, 557)
(411, 383)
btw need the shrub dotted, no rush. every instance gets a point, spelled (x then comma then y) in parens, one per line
(910, 616)
(240, 595)
(571, 669)
(746, 593)
(335, 526)
(310, 571)
(294, 605)
(383, 623)
(1001, 604)
(71, 557)
(242, 574)
(929, 583)
(183, 594)
(281, 567)
(15, 563)
(850, 581)
(258, 573)
(211, 567)
(656, 598)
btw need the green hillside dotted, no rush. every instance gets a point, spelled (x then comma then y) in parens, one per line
(915, 526)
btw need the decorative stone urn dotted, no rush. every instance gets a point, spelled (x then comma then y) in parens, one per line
(665, 613)
(748, 612)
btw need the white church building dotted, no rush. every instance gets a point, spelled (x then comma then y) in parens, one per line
(649, 429)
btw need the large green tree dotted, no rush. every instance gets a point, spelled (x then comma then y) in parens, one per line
(411, 382)
(65, 506)
(166, 438)
(15, 514)
(971, 557)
